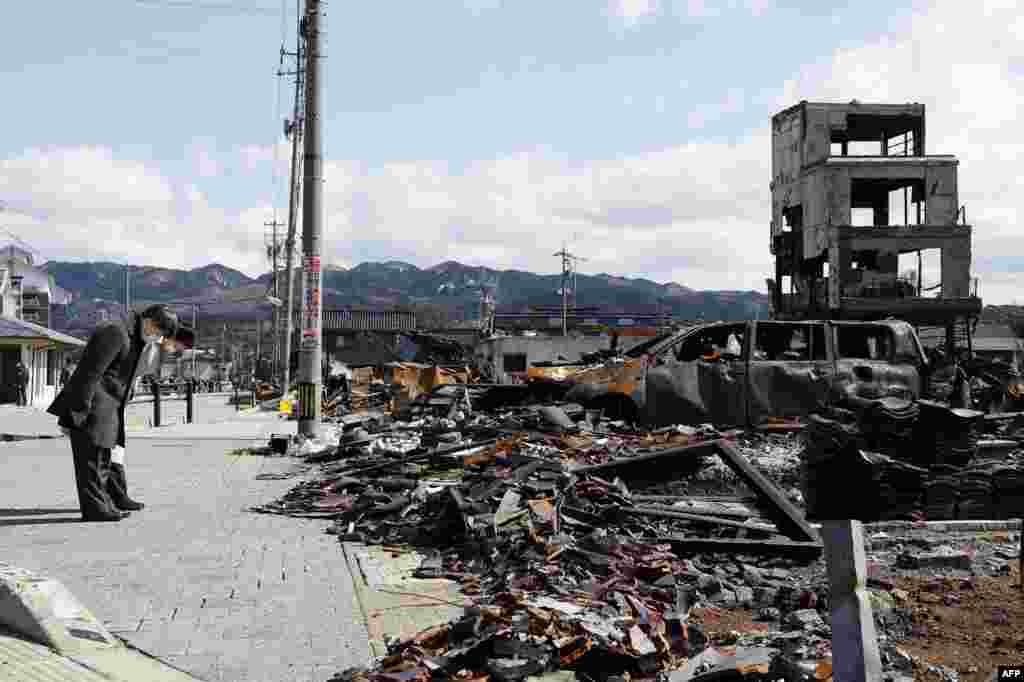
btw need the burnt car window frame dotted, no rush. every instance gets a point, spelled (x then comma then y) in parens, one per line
(815, 333)
(728, 327)
(867, 327)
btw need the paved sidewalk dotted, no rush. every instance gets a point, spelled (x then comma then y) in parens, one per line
(194, 579)
(23, 423)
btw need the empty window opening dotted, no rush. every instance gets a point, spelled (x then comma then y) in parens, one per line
(922, 276)
(864, 342)
(862, 217)
(875, 135)
(786, 284)
(886, 202)
(789, 342)
(902, 145)
(864, 148)
(872, 274)
(724, 342)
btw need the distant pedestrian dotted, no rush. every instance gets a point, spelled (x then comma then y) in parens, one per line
(90, 408)
(21, 383)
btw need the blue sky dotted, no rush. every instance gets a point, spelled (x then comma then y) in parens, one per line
(484, 131)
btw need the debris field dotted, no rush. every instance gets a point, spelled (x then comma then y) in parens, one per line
(592, 549)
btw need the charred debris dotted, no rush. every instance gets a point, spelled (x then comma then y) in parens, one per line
(594, 548)
(601, 515)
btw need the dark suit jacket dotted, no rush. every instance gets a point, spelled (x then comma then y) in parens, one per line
(94, 398)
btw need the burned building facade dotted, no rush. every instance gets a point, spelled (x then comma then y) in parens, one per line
(853, 193)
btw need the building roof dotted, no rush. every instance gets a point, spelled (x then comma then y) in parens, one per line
(11, 328)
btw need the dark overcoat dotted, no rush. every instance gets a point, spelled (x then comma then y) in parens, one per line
(94, 398)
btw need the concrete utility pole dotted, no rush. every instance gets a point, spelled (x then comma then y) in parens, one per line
(127, 289)
(568, 276)
(296, 129)
(311, 347)
(274, 251)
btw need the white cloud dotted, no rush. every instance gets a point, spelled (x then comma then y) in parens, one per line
(85, 203)
(633, 11)
(696, 213)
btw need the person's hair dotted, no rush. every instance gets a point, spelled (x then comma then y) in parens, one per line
(166, 319)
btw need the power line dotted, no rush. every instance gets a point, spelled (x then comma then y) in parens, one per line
(219, 7)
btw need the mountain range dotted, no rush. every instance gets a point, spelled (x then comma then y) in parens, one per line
(450, 286)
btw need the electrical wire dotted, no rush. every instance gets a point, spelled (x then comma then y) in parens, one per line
(218, 7)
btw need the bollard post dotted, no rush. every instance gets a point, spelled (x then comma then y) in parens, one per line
(156, 406)
(855, 656)
(238, 405)
(190, 399)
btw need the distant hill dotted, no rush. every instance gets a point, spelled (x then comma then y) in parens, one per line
(105, 281)
(452, 286)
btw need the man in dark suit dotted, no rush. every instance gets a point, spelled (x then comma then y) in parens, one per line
(90, 407)
(21, 382)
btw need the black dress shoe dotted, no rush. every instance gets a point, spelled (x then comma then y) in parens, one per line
(110, 516)
(129, 505)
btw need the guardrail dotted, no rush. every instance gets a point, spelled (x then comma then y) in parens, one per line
(187, 393)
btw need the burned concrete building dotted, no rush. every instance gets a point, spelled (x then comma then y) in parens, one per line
(858, 206)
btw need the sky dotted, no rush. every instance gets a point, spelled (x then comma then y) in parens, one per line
(491, 132)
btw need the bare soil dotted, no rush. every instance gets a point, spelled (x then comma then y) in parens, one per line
(968, 626)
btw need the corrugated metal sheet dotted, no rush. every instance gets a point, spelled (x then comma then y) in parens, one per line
(368, 320)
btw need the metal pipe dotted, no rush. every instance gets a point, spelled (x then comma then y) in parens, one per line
(156, 403)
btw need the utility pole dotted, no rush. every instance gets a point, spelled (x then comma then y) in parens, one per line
(564, 254)
(295, 130)
(275, 250)
(568, 278)
(223, 349)
(127, 290)
(310, 374)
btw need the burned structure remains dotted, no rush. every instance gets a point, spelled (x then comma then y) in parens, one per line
(853, 193)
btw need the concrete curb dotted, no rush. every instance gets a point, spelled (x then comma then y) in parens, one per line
(41, 611)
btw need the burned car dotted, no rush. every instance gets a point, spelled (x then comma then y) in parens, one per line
(747, 373)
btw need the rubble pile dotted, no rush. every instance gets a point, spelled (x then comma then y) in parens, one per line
(908, 461)
(582, 544)
(589, 549)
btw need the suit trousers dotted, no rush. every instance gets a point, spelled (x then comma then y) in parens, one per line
(92, 469)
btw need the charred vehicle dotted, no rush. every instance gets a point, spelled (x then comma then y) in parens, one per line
(748, 373)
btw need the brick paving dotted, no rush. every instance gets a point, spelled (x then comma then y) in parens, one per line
(193, 579)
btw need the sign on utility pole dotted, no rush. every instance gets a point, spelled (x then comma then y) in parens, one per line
(310, 376)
